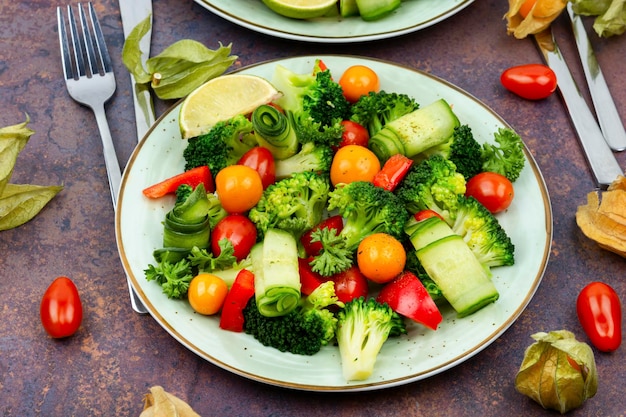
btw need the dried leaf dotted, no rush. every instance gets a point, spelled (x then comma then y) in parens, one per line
(179, 69)
(611, 15)
(12, 141)
(558, 371)
(131, 52)
(159, 403)
(603, 218)
(19, 203)
(542, 14)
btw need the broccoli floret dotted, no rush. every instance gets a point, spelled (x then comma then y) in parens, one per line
(314, 104)
(432, 184)
(304, 330)
(462, 149)
(182, 192)
(483, 233)
(223, 145)
(362, 329)
(506, 157)
(294, 204)
(311, 157)
(376, 109)
(366, 209)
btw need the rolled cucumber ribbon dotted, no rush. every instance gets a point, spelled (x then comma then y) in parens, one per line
(278, 301)
(274, 131)
(276, 274)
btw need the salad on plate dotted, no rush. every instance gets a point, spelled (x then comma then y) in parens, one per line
(331, 227)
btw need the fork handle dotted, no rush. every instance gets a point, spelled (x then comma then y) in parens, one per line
(110, 157)
(115, 179)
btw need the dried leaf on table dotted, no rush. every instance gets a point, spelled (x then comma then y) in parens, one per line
(611, 15)
(538, 19)
(159, 403)
(19, 203)
(179, 69)
(603, 218)
(558, 371)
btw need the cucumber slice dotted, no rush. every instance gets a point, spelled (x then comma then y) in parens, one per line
(463, 281)
(276, 274)
(415, 132)
(428, 231)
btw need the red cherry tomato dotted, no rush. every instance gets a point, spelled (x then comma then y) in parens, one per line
(262, 161)
(350, 284)
(354, 134)
(492, 190)
(407, 295)
(530, 81)
(357, 81)
(61, 310)
(314, 248)
(239, 230)
(600, 314)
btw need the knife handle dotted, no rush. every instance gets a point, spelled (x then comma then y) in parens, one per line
(610, 122)
(601, 159)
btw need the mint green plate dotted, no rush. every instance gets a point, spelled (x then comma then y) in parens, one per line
(412, 15)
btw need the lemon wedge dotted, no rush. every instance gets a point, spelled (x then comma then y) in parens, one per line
(223, 98)
(301, 9)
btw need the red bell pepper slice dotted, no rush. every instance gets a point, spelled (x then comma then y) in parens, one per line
(193, 177)
(236, 300)
(407, 295)
(392, 172)
(314, 248)
(309, 279)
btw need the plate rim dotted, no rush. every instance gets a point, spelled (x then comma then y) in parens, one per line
(251, 24)
(364, 385)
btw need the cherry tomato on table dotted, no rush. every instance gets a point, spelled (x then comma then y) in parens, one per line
(492, 190)
(353, 163)
(61, 310)
(206, 293)
(530, 81)
(354, 134)
(357, 81)
(239, 230)
(600, 313)
(380, 257)
(262, 161)
(238, 187)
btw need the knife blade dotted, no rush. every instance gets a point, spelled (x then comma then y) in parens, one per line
(606, 112)
(133, 12)
(600, 157)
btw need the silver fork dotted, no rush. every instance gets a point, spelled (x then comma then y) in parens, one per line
(90, 81)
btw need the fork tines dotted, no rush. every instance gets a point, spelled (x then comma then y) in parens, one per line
(88, 45)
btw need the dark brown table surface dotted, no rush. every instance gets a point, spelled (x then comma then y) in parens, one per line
(107, 367)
